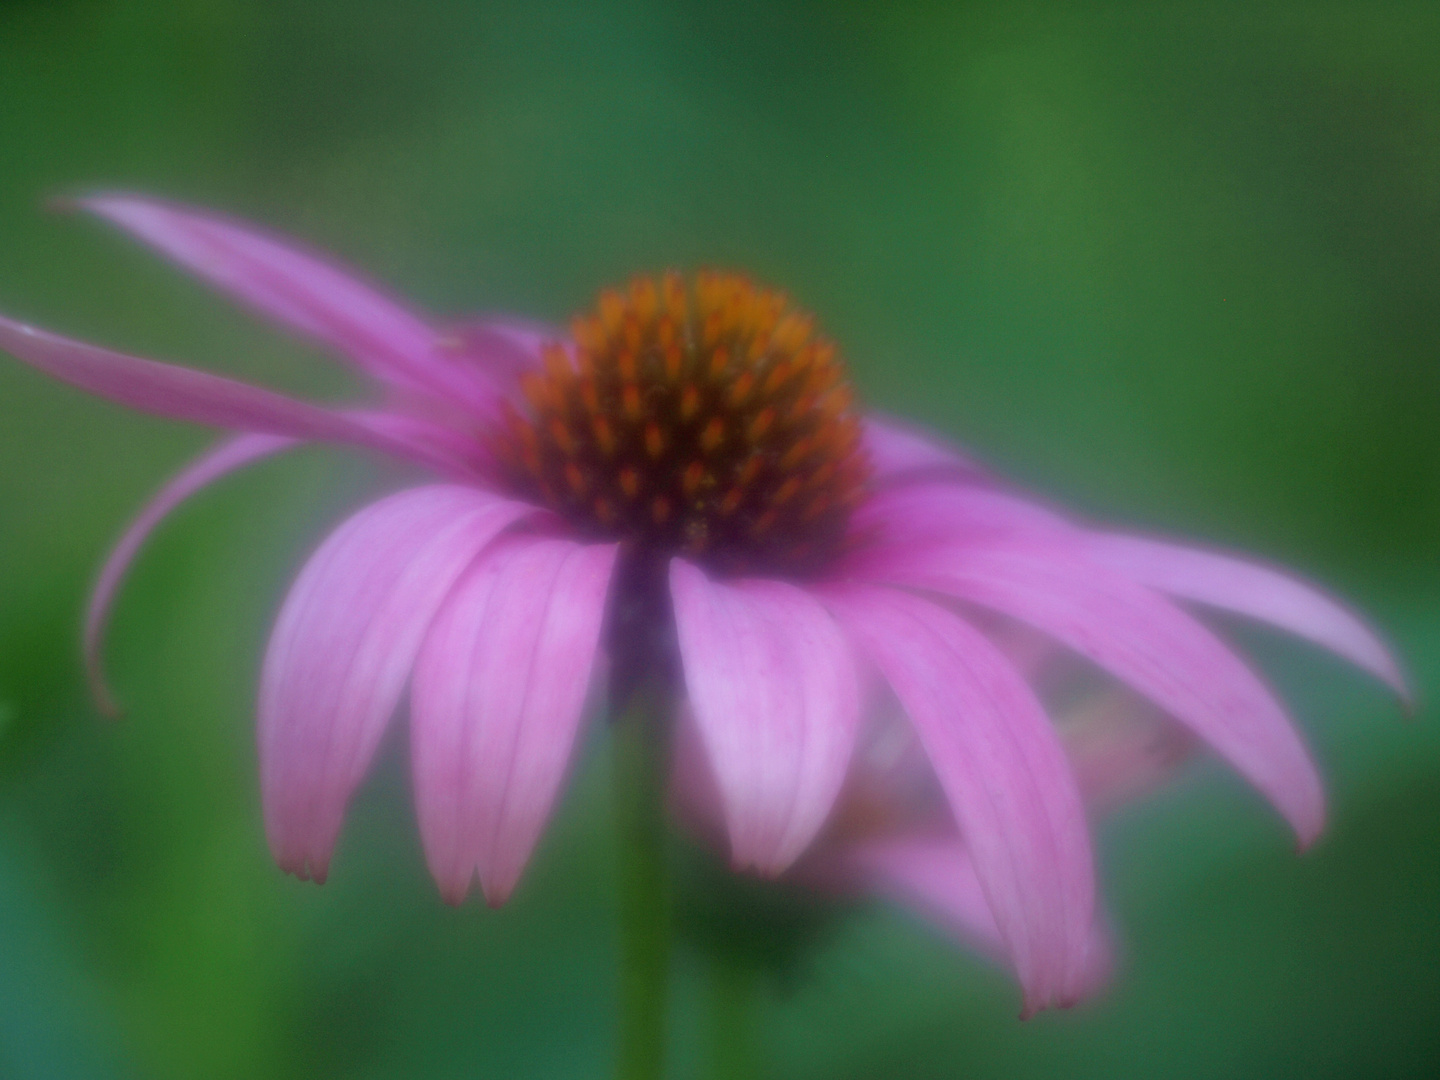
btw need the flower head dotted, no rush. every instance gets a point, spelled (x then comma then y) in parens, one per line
(708, 424)
(697, 445)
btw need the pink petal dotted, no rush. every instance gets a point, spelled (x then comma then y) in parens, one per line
(228, 456)
(776, 701)
(1143, 640)
(310, 294)
(225, 458)
(505, 346)
(184, 394)
(951, 513)
(937, 877)
(499, 688)
(1005, 775)
(901, 452)
(1250, 588)
(453, 453)
(1122, 747)
(342, 649)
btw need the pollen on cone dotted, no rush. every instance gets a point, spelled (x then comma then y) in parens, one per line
(692, 422)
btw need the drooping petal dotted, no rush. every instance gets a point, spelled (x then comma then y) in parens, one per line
(1246, 587)
(180, 393)
(343, 646)
(900, 452)
(927, 511)
(1142, 639)
(310, 294)
(232, 454)
(776, 700)
(499, 688)
(1123, 746)
(1005, 775)
(936, 876)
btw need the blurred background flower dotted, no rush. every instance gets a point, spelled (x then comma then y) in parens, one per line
(1174, 263)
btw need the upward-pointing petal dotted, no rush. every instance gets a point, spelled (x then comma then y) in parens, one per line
(342, 649)
(310, 294)
(499, 688)
(1005, 775)
(776, 701)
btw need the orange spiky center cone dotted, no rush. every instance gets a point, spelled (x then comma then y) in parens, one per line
(709, 422)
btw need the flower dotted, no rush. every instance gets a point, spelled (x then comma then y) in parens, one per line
(891, 833)
(695, 451)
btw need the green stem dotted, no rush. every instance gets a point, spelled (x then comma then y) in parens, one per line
(731, 1021)
(641, 753)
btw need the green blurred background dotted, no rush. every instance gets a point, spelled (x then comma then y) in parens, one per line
(1176, 264)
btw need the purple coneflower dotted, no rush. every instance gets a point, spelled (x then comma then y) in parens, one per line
(682, 490)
